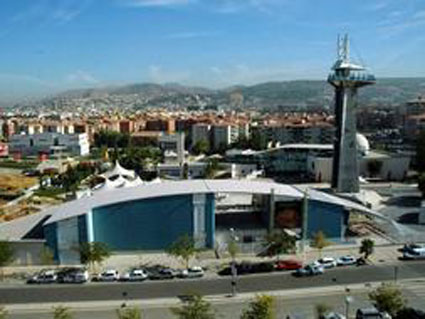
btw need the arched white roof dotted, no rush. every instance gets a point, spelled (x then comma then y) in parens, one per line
(188, 187)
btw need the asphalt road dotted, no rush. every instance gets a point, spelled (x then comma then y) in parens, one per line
(296, 306)
(216, 286)
(301, 307)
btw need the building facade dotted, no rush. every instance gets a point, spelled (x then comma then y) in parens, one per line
(49, 143)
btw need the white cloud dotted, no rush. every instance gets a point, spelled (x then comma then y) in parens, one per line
(154, 3)
(157, 74)
(395, 24)
(81, 77)
(191, 35)
(234, 6)
(26, 78)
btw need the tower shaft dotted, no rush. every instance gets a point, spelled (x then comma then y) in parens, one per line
(345, 170)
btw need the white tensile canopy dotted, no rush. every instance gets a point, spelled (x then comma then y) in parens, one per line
(118, 170)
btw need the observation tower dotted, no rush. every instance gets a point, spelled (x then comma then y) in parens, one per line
(346, 77)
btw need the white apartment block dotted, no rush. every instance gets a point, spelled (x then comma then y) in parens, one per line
(50, 143)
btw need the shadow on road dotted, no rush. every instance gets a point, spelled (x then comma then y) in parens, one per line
(404, 201)
(409, 218)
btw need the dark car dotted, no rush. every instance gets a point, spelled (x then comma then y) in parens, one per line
(288, 264)
(361, 261)
(162, 273)
(245, 268)
(72, 275)
(43, 277)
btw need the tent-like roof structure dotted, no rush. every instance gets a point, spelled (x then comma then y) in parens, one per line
(118, 170)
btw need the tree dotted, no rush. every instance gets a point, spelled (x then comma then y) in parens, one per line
(129, 313)
(201, 147)
(46, 256)
(61, 313)
(195, 308)
(278, 243)
(6, 256)
(94, 253)
(388, 297)
(322, 309)
(320, 242)
(184, 248)
(3, 313)
(211, 169)
(367, 247)
(262, 307)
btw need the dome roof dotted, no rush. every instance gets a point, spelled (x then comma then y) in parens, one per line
(362, 144)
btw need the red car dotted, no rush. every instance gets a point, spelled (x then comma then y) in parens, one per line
(289, 264)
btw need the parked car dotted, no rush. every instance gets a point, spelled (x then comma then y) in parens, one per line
(288, 264)
(162, 273)
(107, 276)
(193, 272)
(73, 275)
(245, 268)
(326, 262)
(134, 275)
(309, 270)
(361, 261)
(371, 313)
(411, 313)
(46, 276)
(333, 315)
(346, 260)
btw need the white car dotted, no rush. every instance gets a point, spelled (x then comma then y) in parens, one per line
(108, 275)
(134, 275)
(326, 262)
(334, 315)
(193, 272)
(346, 260)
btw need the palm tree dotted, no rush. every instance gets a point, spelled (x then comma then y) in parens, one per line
(195, 308)
(61, 313)
(278, 243)
(320, 242)
(129, 313)
(367, 247)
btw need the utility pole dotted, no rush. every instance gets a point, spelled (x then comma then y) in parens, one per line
(233, 268)
(304, 224)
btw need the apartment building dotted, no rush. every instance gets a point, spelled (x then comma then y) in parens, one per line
(49, 143)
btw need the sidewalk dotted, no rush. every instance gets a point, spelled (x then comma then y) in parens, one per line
(207, 260)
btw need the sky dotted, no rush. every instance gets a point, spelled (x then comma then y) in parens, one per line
(47, 46)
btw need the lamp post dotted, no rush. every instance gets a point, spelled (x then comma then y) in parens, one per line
(304, 226)
(234, 270)
(348, 300)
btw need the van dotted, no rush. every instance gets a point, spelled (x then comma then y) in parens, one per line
(371, 313)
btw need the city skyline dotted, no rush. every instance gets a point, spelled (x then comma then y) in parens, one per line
(51, 46)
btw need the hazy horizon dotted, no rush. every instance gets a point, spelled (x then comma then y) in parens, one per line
(55, 45)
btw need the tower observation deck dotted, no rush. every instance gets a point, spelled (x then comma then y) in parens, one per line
(346, 77)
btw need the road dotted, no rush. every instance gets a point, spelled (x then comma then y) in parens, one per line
(214, 286)
(298, 306)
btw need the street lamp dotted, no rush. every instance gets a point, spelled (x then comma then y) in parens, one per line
(348, 300)
(233, 268)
